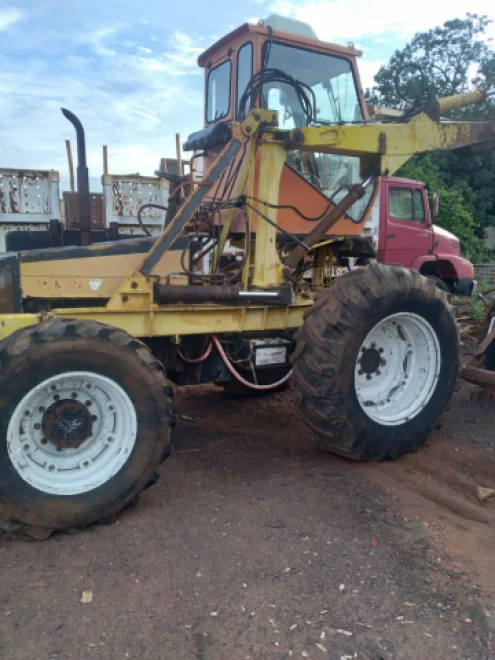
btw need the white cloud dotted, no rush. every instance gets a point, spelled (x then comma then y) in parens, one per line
(9, 16)
(368, 70)
(96, 38)
(340, 20)
(183, 55)
(134, 101)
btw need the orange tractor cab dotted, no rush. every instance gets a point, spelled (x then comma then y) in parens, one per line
(309, 180)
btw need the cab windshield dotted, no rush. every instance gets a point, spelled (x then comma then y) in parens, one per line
(332, 81)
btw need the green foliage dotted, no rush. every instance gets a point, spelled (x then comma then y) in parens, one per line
(454, 58)
(446, 55)
(477, 310)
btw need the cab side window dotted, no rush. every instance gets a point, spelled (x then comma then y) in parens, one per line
(406, 204)
(419, 208)
(244, 69)
(218, 92)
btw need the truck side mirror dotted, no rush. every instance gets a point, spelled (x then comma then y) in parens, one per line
(436, 205)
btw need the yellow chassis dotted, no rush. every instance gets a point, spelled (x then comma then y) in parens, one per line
(382, 148)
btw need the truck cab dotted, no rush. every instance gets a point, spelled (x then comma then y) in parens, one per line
(407, 236)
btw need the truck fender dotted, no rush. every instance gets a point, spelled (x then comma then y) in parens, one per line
(445, 266)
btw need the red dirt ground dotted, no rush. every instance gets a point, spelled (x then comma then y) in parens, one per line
(257, 544)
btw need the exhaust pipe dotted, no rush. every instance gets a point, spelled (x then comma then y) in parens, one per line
(82, 178)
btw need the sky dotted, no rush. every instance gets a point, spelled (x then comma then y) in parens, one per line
(129, 71)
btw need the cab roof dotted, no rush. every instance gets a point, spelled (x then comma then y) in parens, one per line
(249, 28)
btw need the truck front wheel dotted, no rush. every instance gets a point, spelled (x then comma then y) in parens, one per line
(376, 362)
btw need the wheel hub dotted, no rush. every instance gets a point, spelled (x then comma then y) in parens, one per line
(67, 424)
(397, 368)
(370, 360)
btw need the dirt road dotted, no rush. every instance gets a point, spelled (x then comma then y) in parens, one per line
(257, 544)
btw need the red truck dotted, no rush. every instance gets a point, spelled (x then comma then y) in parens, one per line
(403, 232)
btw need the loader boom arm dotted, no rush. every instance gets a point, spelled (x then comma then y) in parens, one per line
(382, 147)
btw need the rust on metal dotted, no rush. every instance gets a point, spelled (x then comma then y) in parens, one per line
(486, 342)
(478, 376)
(67, 423)
(30, 192)
(96, 210)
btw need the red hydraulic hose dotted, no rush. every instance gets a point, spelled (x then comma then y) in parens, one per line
(237, 376)
(196, 360)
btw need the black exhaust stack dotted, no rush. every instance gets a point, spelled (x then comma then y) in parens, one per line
(82, 179)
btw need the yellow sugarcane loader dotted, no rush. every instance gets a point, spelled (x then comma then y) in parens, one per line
(238, 288)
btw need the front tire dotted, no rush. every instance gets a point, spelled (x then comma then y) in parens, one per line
(85, 420)
(376, 362)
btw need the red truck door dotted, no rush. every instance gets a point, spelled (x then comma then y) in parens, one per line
(405, 227)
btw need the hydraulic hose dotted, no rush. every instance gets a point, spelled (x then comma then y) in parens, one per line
(237, 375)
(205, 355)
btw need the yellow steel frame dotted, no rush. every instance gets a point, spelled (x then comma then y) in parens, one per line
(382, 149)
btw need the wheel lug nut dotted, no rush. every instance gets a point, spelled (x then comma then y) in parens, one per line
(87, 404)
(380, 350)
(37, 426)
(360, 372)
(74, 395)
(43, 441)
(94, 418)
(368, 377)
(42, 409)
(56, 397)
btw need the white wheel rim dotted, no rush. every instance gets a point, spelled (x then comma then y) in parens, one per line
(87, 401)
(397, 369)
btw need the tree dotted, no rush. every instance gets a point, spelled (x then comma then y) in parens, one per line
(451, 58)
(443, 61)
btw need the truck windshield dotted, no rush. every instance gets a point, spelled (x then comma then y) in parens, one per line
(332, 81)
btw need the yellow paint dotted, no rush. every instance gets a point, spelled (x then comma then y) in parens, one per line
(385, 147)
(89, 277)
(9, 323)
(169, 320)
(267, 266)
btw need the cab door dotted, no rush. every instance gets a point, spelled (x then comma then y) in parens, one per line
(405, 223)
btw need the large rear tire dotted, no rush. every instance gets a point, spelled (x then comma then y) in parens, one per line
(85, 420)
(376, 362)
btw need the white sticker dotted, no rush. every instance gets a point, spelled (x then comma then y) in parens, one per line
(276, 355)
(94, 285)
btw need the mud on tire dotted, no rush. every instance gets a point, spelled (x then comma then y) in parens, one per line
(333, 355)
(42, 354)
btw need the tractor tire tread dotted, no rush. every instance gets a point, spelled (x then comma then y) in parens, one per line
(320, 357)
(20, 341)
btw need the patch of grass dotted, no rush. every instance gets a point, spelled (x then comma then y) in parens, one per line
(477, 310)
(483, 286)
